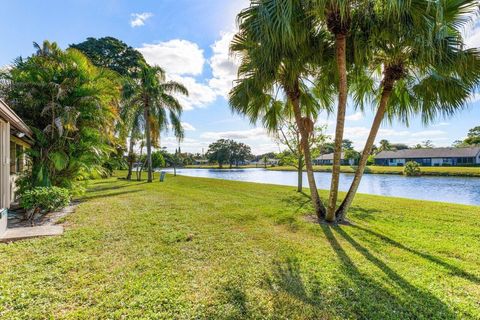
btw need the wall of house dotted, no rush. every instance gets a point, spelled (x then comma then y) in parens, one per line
(437, 161)
(396, 162)
(4, 173)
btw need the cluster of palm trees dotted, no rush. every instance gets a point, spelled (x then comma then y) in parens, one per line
(82, 103)
(148, 104)
(402, 58)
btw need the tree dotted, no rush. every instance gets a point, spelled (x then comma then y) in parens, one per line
(473, 136)
(157, 159)
(289, 136)
(385, 145)
(351, 154)
(70, 106)
(239, 152)
(114, 54)
(399, 146)
(279, 48)
(425, 68)
(427, 144)
(155, 107)
(341, 20)
(219, 152)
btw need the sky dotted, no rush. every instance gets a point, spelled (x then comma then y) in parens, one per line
(190, 39)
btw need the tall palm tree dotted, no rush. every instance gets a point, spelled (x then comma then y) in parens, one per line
(336, 16)
(157, 107)
(280, 48)
(424, 69)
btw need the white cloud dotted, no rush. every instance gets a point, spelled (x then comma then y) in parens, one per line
(188, 127)
(357, 116)
(257, 138)
(182, 60)
(238, 134)
(224, 65)
(472, 34)
(475, 97)
(138, 19)
(199, 95)
(441, 124)
(179, 57)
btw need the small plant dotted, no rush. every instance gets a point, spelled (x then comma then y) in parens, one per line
(412, 169)
(44, 199)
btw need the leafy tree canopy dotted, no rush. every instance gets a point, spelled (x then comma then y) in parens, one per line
(111, 53)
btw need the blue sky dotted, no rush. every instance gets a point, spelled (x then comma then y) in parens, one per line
(189, 38)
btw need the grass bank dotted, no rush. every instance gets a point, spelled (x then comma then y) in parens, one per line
(213, 249)
(427, 171)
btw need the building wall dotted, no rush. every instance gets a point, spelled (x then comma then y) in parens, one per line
(4, 173)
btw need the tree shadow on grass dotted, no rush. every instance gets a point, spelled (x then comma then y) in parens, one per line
(300, 200)
(107, 195)
(456, 271)
(115, 186)
(408, 301)
(362, 213)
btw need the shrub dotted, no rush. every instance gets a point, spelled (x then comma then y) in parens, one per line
(371, 160)
(44, 199)
(412, 169)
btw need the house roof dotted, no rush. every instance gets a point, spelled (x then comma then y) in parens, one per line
(430, 153)
(9, 115)
(328, 156)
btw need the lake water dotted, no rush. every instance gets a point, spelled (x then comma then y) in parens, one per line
(463, 190)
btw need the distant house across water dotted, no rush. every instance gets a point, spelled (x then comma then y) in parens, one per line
(327, 159)
(430, 157)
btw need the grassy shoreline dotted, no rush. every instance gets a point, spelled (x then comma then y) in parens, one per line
(426, 171)
(215, 249)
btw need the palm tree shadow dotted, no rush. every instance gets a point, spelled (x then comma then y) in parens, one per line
(300, 200)
(287, 278)
(411, 301)
(456, 271)
(107, 195)
(381, 301)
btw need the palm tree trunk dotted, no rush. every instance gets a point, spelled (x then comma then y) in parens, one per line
(320, 209)
(130, 158)
(300, 174)
(146, 113)
(341, 44)
(386, 91)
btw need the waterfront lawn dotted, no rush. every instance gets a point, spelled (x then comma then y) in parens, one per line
(213, 249)
(427, 171)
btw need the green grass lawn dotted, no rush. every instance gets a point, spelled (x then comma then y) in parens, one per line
(193, 248)
(427, 171)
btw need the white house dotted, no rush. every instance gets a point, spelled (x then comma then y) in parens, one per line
(327, 159)
(430, 157)
(15, 136)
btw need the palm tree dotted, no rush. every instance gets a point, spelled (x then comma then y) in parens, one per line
(279, 49)
(385, 145)
(336, 16)
(425, 69)
(157, 107)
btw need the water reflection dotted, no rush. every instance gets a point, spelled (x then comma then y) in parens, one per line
(462, 190)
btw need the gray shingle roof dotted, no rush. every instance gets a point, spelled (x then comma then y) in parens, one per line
(430, 153)
(328, 156)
